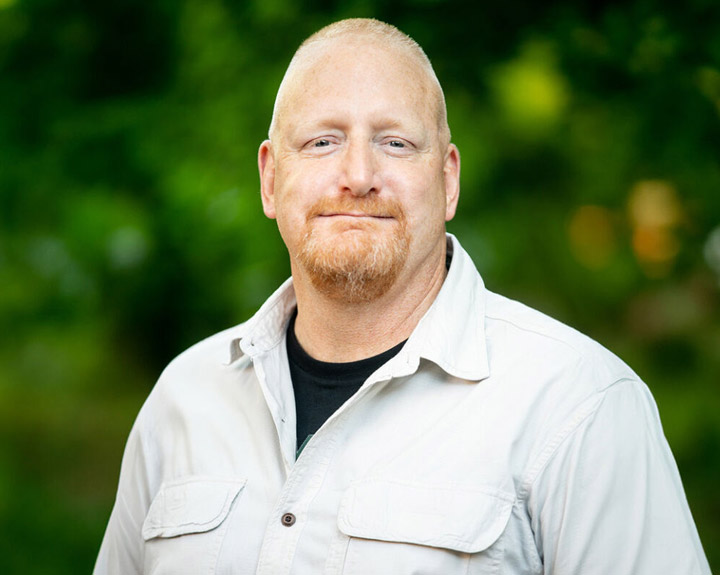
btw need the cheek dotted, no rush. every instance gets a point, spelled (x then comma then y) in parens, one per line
(425, 200)
(425, 213)
(291, 234)
(290, 219)
(297, 192)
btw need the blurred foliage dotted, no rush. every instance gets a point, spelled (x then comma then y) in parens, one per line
(130, 222)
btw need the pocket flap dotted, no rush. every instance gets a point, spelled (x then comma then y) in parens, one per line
(463, 519)
(190, 505)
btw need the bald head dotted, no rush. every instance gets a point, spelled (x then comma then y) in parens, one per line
(360, 32)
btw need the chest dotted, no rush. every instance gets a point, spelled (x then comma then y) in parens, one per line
(409, 476)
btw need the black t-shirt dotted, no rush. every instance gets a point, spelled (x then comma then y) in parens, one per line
(322, 387)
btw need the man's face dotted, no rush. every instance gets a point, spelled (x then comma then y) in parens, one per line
(358, 175)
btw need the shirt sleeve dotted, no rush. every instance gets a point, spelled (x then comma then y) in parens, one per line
(609, 500)
(121, 551)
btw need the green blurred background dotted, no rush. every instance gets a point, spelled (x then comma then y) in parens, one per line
(131, 225)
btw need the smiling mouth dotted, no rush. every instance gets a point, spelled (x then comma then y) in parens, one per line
(355, 215)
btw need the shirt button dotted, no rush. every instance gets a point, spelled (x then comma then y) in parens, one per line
(288, 520)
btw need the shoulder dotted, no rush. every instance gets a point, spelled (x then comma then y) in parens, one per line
(209, 353)
(196, 380)
(533, 338)
(551, 381)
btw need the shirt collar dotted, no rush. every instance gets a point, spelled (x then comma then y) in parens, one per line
(267, 327)
(451, 334)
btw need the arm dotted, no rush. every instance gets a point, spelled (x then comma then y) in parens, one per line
(610, 501)
(121, 552)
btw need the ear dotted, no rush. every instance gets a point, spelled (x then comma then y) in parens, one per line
(266, 166)
(451, 171)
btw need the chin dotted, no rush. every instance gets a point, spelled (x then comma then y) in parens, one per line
(354, 265)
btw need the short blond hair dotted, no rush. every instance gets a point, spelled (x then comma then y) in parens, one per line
(381, 32)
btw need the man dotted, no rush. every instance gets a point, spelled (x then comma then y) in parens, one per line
(383, 413)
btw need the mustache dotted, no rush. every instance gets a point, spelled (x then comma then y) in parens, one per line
(370, 205)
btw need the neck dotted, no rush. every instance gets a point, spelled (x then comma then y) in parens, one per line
(336, 331)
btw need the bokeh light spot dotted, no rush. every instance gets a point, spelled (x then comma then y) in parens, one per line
(655, 214)
(127, 247)
(592, 236)
(530, 90)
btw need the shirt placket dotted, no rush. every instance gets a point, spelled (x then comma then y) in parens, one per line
(289, 518)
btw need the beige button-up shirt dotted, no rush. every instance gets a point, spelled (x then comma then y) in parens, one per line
(497, 441)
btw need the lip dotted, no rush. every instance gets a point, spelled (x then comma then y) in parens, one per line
(354, 215)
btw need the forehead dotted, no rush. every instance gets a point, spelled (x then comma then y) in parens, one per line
(349, 76)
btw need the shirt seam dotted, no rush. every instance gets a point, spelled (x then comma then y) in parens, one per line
(582, 414)
(538, 331)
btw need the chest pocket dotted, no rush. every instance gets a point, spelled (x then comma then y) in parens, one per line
(186, 523)
(401, 528)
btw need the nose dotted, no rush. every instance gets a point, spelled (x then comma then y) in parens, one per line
(359, 172)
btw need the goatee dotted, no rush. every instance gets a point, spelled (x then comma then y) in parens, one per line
(357, 261)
